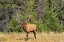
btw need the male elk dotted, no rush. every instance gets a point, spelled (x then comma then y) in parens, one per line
(29, 28)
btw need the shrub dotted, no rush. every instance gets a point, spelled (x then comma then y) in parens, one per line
(14, 26)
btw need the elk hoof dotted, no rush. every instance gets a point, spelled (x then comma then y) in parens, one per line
(26, 39)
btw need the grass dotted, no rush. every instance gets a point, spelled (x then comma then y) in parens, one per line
(41, 37)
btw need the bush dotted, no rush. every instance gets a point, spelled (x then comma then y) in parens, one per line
(14, 26)
(51, 22)
(40, 26)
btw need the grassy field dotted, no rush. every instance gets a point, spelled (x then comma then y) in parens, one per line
(41, 37)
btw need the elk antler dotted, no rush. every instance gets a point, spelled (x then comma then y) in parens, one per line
(17, 14)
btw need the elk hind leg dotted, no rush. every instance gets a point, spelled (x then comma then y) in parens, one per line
(34, 34)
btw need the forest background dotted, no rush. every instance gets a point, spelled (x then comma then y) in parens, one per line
(48, 15)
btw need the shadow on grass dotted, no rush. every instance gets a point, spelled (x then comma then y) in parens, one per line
(24, 39)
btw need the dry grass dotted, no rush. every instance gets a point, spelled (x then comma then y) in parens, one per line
(41, 37)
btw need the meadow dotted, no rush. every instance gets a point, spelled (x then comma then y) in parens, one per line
(41, 37)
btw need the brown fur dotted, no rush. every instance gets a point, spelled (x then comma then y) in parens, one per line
(29, 28)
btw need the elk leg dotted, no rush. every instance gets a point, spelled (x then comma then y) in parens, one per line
(26, 36)
(34, 34)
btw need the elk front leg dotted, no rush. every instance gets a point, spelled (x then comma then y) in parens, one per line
(26, 36)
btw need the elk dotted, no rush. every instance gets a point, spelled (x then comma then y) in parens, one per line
(28, 28)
